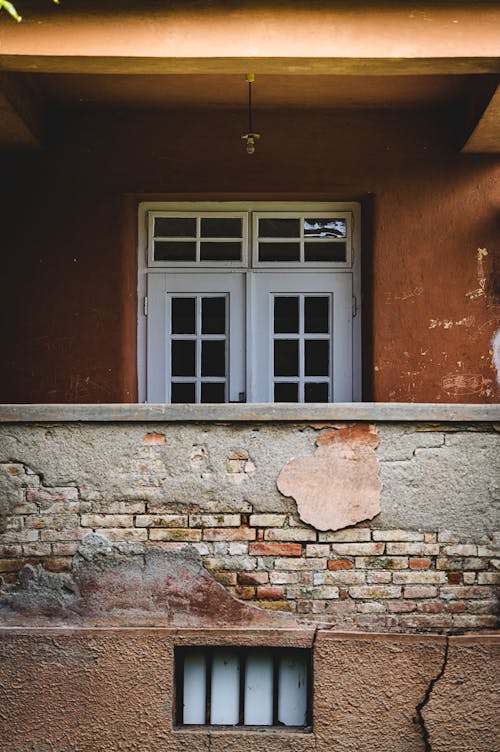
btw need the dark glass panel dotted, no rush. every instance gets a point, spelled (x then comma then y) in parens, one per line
(325, 228)
(213, 392)
(324, 252)
(286, 392)
(316, 318)
(279, 252)
(317, 357)
(183, 357)
(286, 315)
(286, 357)
(175, 227)
(213, 357)
(213, 315)
(172, 250)
(183, 393)
(279, 228)
(220, 251)
(315, 392)
(183, 315)
(221, 227)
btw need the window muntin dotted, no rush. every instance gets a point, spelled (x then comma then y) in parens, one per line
(249, 373)
(291, 239)
(302, 347)
(233, 686)
(205, 239)
(198, 348)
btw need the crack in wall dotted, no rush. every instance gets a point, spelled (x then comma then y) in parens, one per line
(419, 718)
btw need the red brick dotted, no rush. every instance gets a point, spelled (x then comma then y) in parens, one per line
(225, 578)
(336, 564)
(430, 608)
(154, 439)
(420, 563)
(458, 607)
(229, 534)
(275, 549)
(271, 592)
(454, 578)
(253, 578)
(245, 593)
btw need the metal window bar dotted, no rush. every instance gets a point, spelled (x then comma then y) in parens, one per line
(278, 654)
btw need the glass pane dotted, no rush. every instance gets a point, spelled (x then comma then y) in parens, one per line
(279, 252)
(286, 357)
(181, 393)
(213, 392)
(225, 700)
(316, 318)
(325, 228)
(259, 688)
(175, 227)
(213, 358)
(286, 392)
(316, 392)
(220, 251)
(279, 228)
(324, 251)
(213, 315)
(317, 357)
(171, 250)
(286, 315)
(221, 227)
(183, 315)
(292, 691)
(183, 358)
(194, 687)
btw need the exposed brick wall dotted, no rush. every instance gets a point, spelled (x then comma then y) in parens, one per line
(367, 577)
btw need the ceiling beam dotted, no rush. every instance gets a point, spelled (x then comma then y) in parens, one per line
(485, 138)
(20, 115)
(380, 66)
(358, 37)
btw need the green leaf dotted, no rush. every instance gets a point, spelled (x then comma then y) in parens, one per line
(10, 10)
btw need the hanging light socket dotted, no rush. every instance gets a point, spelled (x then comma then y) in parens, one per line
(250, 137)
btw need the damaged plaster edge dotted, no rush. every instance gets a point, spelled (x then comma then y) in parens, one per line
(339, 411)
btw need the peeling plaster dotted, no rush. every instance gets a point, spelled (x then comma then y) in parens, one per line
(338, 485)
(495, 345)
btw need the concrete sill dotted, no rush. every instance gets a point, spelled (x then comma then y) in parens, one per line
(269, 412)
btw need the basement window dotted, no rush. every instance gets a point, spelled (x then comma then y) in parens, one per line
(243, 687)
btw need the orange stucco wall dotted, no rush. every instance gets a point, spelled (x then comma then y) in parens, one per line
(431, 305)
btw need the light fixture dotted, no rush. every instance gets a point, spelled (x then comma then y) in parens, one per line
(250, 137)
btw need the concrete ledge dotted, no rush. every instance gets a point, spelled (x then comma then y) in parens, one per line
(340, 411)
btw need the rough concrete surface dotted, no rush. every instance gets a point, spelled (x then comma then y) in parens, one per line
(462, 712)
(106, 690)
(339, 485)
(367, 690)
(129, 584)
(447, 478)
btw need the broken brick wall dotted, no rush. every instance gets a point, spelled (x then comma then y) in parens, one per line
(243, 500)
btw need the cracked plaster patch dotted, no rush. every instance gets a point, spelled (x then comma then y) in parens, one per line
(339, 484)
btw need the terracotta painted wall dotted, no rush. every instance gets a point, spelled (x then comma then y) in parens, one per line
(431, 221)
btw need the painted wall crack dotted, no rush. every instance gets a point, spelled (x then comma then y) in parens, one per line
(419, 718)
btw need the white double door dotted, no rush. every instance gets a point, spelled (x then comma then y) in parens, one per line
(249, 336)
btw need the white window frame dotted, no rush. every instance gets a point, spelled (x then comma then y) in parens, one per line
(148, 268)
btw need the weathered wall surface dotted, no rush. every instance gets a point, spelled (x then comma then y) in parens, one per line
(427, 561)
(106, 690)
(430, 223)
